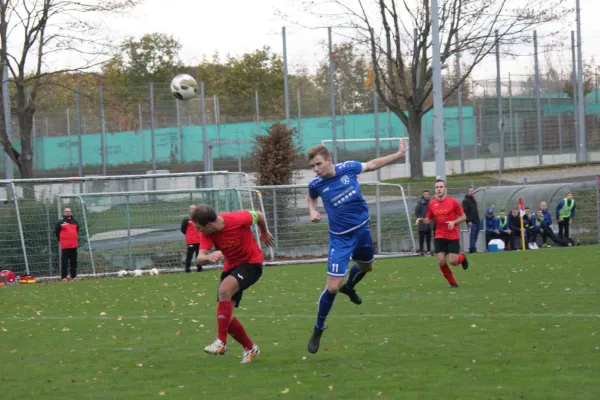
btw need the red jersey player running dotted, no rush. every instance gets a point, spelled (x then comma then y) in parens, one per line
(230, 235)
(447, 214)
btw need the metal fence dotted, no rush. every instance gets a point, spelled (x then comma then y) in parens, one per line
(584, 228)
(117, 130)
(141, 229)
(31, 208)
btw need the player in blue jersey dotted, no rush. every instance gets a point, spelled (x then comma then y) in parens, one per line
(349, 232)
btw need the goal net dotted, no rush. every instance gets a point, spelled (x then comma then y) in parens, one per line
(297, 240)
(30, 208)
(141, 230)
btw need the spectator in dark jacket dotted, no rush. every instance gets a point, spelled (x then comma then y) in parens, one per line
(514, 223)
(424, 229)
(67, 233)
(469, 205)
(540, 226)
(547, 223)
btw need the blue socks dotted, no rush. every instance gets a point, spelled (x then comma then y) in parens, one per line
(325, 303)
(355, 276)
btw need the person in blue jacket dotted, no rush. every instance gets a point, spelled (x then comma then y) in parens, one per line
(540, 226)
(547, 222)
(492, 227)
(565, 213)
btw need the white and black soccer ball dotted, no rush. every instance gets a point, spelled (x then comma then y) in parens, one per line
(184, 87)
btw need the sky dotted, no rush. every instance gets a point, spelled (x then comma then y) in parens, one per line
(239, 26)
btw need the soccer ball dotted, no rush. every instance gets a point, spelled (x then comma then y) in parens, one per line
(184, 87)
(154, 271)
(138, 272)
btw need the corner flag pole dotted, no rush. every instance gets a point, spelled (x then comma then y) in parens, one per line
(521, 214)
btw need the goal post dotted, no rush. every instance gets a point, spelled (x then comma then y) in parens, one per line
(142, 229)
(366, 149)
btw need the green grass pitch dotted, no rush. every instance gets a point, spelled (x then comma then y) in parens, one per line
(522, 325)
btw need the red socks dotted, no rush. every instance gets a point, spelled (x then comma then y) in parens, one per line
(226, 324)
(448, 274)
(224, 310)
(237, 331)
(461, 258)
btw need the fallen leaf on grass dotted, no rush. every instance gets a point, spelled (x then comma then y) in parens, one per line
(286, 390)
(161, 393)
(330, 388)
(102, 314)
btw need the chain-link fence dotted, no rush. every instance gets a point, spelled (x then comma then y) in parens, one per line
(108, 131)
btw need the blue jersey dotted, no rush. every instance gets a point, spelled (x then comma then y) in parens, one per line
(345, 206)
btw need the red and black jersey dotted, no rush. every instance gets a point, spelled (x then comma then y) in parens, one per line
(192, 236)
(67, 233)
(235, 241)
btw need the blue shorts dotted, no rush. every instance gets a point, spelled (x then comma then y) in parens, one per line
(357, 245)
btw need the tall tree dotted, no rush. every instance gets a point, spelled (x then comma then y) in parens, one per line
(398, 35)
(154, 57)
(236, 80)
(350, 71)
(47, 28)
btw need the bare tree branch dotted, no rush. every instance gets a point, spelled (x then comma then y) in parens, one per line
(48, 27)
(401, 58)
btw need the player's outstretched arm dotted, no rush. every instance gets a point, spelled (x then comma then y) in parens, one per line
(265, 236)
(377, 163)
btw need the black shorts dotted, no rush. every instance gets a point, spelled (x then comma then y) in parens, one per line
(246, 275)
(447, 246)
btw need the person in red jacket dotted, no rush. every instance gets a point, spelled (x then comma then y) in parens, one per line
(67, 233)
(192, 239)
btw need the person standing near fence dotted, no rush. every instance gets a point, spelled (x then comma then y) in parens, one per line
(514, 223)
(67, 234)
(192, 240)
(469, 205)
(565, 213)
(424, 229)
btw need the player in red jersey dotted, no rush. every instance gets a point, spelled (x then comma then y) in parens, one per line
(447, 214)
(230, 235)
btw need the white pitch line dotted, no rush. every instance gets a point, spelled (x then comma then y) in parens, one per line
(299, 316)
